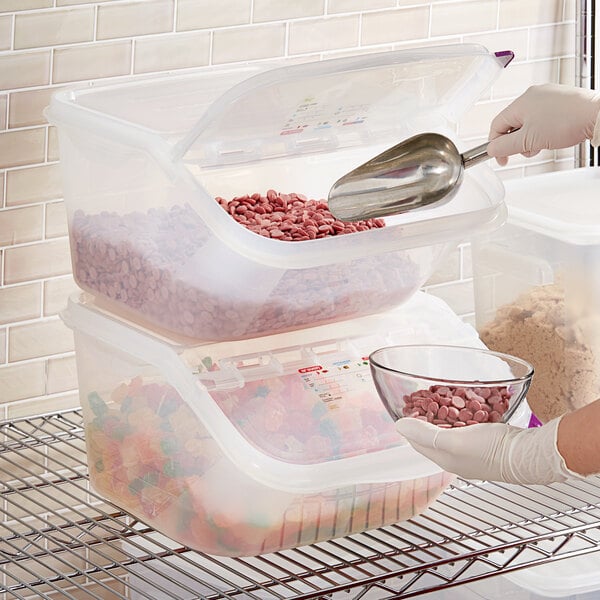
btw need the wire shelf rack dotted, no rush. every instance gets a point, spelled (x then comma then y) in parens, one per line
(59, 539)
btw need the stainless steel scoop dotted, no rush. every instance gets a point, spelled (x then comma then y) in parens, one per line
(421, 171)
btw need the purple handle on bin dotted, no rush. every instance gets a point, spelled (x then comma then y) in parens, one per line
(506, 56)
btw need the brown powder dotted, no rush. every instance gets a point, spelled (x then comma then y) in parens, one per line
(538, 328)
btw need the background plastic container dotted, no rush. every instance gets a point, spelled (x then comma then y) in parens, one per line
(241, 448)
(537, 286)
(575, 578)
(144, 160)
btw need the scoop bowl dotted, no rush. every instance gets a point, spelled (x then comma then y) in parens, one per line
(419, 172)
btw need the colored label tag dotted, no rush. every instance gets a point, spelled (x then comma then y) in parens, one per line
(332, 381)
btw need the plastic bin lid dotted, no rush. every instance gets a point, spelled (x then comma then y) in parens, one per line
(339, 103)
(226, 115)
(563, 205)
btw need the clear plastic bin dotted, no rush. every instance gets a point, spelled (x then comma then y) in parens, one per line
(241, 448)
(143, 161)
(576, 578)
(537, 286)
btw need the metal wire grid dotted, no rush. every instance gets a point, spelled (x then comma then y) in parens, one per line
(61, 540)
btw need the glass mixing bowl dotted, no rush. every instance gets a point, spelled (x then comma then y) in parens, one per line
(449, 386)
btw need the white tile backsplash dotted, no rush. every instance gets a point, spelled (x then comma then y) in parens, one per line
(206, 14)
(516, 13)
(24, 69)
(128, 19)
(463, 17)
(68, 26)
(524, 74)
(275, 10)
(92, 61)
(6, 27)
(17, 5)
(315, 35)
(551, 40)
(339, 6)
(248, 43)
(172, 51)
(395, 25)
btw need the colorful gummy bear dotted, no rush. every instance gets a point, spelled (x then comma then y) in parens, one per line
(149, 453)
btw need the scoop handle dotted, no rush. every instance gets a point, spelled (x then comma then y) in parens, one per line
(474, 156)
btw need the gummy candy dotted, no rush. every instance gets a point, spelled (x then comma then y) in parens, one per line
(149, 453)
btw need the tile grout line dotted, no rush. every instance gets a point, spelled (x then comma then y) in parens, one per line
(95, 28)
(13, 27)
(38, 359)
(430, 21)
(46, 144)
(33, 320)
(498, 15)
(9, 207)
(132, 57)
(23, 402)
(36, 242)
(360, 30)
(4, 192)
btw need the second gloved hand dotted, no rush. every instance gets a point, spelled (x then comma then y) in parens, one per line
(545, 117)
(491, 451)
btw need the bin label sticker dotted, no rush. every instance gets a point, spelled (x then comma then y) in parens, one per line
(310, 114)
(333, 380)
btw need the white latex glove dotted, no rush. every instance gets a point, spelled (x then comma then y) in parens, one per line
(491, 451)
(545, 117)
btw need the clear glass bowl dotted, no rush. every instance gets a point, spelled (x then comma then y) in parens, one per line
(449, 386)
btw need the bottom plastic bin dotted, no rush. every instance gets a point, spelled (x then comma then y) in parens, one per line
(241, 448)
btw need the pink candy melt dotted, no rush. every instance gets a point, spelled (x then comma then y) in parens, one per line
(447, 406)
(290, 217)
(159, 267)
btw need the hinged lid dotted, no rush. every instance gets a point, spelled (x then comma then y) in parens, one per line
(233, 114)
(563, 205)
(340, 103)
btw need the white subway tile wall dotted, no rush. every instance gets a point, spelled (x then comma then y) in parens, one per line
(51, 28)
(47, 44)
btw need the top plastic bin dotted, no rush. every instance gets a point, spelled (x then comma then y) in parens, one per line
(143, 161)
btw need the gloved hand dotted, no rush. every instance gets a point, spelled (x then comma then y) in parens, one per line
(491, 451)
(546, 117)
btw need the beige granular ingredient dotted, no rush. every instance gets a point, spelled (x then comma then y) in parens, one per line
(537, 328)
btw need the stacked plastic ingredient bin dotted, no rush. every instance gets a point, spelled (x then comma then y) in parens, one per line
(537, 287)
(223, 372)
